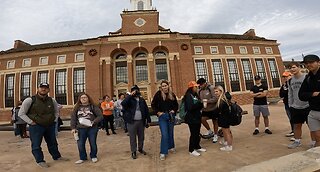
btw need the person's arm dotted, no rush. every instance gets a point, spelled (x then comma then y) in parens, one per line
(282, 92)
(213, 98)
(147, 111)
(305, 93)
(175, 104)
(263, 94)
(56, 109)
(290, 95)
(73, 120)
(98, 113)
(24, 110)
(155, 104)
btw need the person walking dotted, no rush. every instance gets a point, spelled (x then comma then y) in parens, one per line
(20, 124)
(136, 114)
(107, 107)
(224, 117)
(260, 105)
(283, 93)
(119, 112)
(84, 125)
(165, 106)
(41, 113)
(193, 108)
(310, 91)
(209, 111)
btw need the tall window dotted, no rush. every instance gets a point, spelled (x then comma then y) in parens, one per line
(25, 88)
(141, 67)
(78, 82)
(61, 87)
(9, 90)
(247, 72)
(274, 73)
(42, 77)
(140, 5)
(233, 75)
(121, 68)
(161, 66)
(261, 71)
(218, 76)
(201, 69)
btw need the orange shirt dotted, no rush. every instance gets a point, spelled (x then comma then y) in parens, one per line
(108, 105)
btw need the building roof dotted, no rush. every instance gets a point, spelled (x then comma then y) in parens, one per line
(225, 36)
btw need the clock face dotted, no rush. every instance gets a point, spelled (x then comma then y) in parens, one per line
(139, 22)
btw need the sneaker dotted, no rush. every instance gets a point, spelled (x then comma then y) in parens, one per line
(134, 155)
(80, 161)
(208, 135)
(256, 131)
(63, 159)
(108, 134)
(113, 132)
(162, 157)
(94, 160)
(267, 131)
(143, 152)
(43, 164)
(222, 142)
(195, 153)
(201, 150)
(215, 139)
(292, 139)
(226, 148)
(290, 134)
(173, 150)
(293, 145)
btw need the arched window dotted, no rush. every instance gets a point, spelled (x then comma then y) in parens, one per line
(141, 66)
(140, 5)
(121, 68)
(161, 65)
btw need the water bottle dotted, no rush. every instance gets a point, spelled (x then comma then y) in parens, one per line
(76, 136)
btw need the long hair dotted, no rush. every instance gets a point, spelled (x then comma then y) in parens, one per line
(76, 106)
(170, 93)
(222, 96)
(190, 91)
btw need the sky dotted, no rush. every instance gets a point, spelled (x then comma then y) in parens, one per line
(295, 24)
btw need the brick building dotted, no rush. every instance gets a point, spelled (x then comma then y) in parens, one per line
(141, 52)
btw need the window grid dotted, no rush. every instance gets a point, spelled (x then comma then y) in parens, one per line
(43, 60)
(140, 5)
(229, 50)
(261, 71)
(121, 72)
(61, 87)
(247, 72)
(26, 62)
(142, 71)
(198, 50)
(233, 75)
(269, 50)
(161, 70)
(9, 91)
(218, 72)
(256, 50)
(274, 73)
(42, 77)
(25, 87)
(243, 50)
(214, 50)
(78, 83)
(201, 69)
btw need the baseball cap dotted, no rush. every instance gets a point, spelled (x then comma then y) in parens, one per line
(257, 77)
(201, 81)
(286, 74)
(44, 84)
(192, 84)
(310, 58)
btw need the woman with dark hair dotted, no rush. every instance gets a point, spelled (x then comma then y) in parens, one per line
(165, 106)
(84, 119)
(193, 108)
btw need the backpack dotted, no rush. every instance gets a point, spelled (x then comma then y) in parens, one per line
(182, 110)
(235, 113)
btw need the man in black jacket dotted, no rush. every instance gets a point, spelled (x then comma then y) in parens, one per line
(310, 91)
(136, 114)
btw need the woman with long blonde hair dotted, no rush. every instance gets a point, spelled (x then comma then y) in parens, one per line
(224, 118)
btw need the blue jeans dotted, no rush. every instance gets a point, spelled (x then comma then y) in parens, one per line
(37, 132)
(84, 134)
(287, 108)
(166, 128)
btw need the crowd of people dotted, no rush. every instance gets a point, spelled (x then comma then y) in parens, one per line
(202, 102)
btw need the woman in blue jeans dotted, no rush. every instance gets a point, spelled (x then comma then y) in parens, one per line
(165, 106)
(84, 124)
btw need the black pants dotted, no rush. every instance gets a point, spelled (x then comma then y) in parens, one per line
(108, 119)
(22, 130)
(194, 140)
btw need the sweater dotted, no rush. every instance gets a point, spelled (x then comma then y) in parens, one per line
(294, 85)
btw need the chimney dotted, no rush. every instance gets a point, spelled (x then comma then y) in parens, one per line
(250, 32)
(20, 44)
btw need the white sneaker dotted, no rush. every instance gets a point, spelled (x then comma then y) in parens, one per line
(173, 150)
(162, 157)
(226, 148)
(292, 139)
(195, 153)
(79, 161)
(201, 150)
(215, 138)
(94, 160)
(222, 142)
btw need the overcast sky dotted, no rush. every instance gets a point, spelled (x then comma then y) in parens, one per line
(294, 23)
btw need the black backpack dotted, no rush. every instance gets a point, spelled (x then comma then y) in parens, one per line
(235, 113)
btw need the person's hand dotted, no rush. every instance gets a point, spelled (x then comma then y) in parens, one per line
(172, 111)
(159, 114)
(33, 123)
(315, 94)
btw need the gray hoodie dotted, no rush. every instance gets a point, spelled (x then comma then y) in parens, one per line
(294, 87)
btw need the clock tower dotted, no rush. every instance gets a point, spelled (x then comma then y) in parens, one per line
(141, 19)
